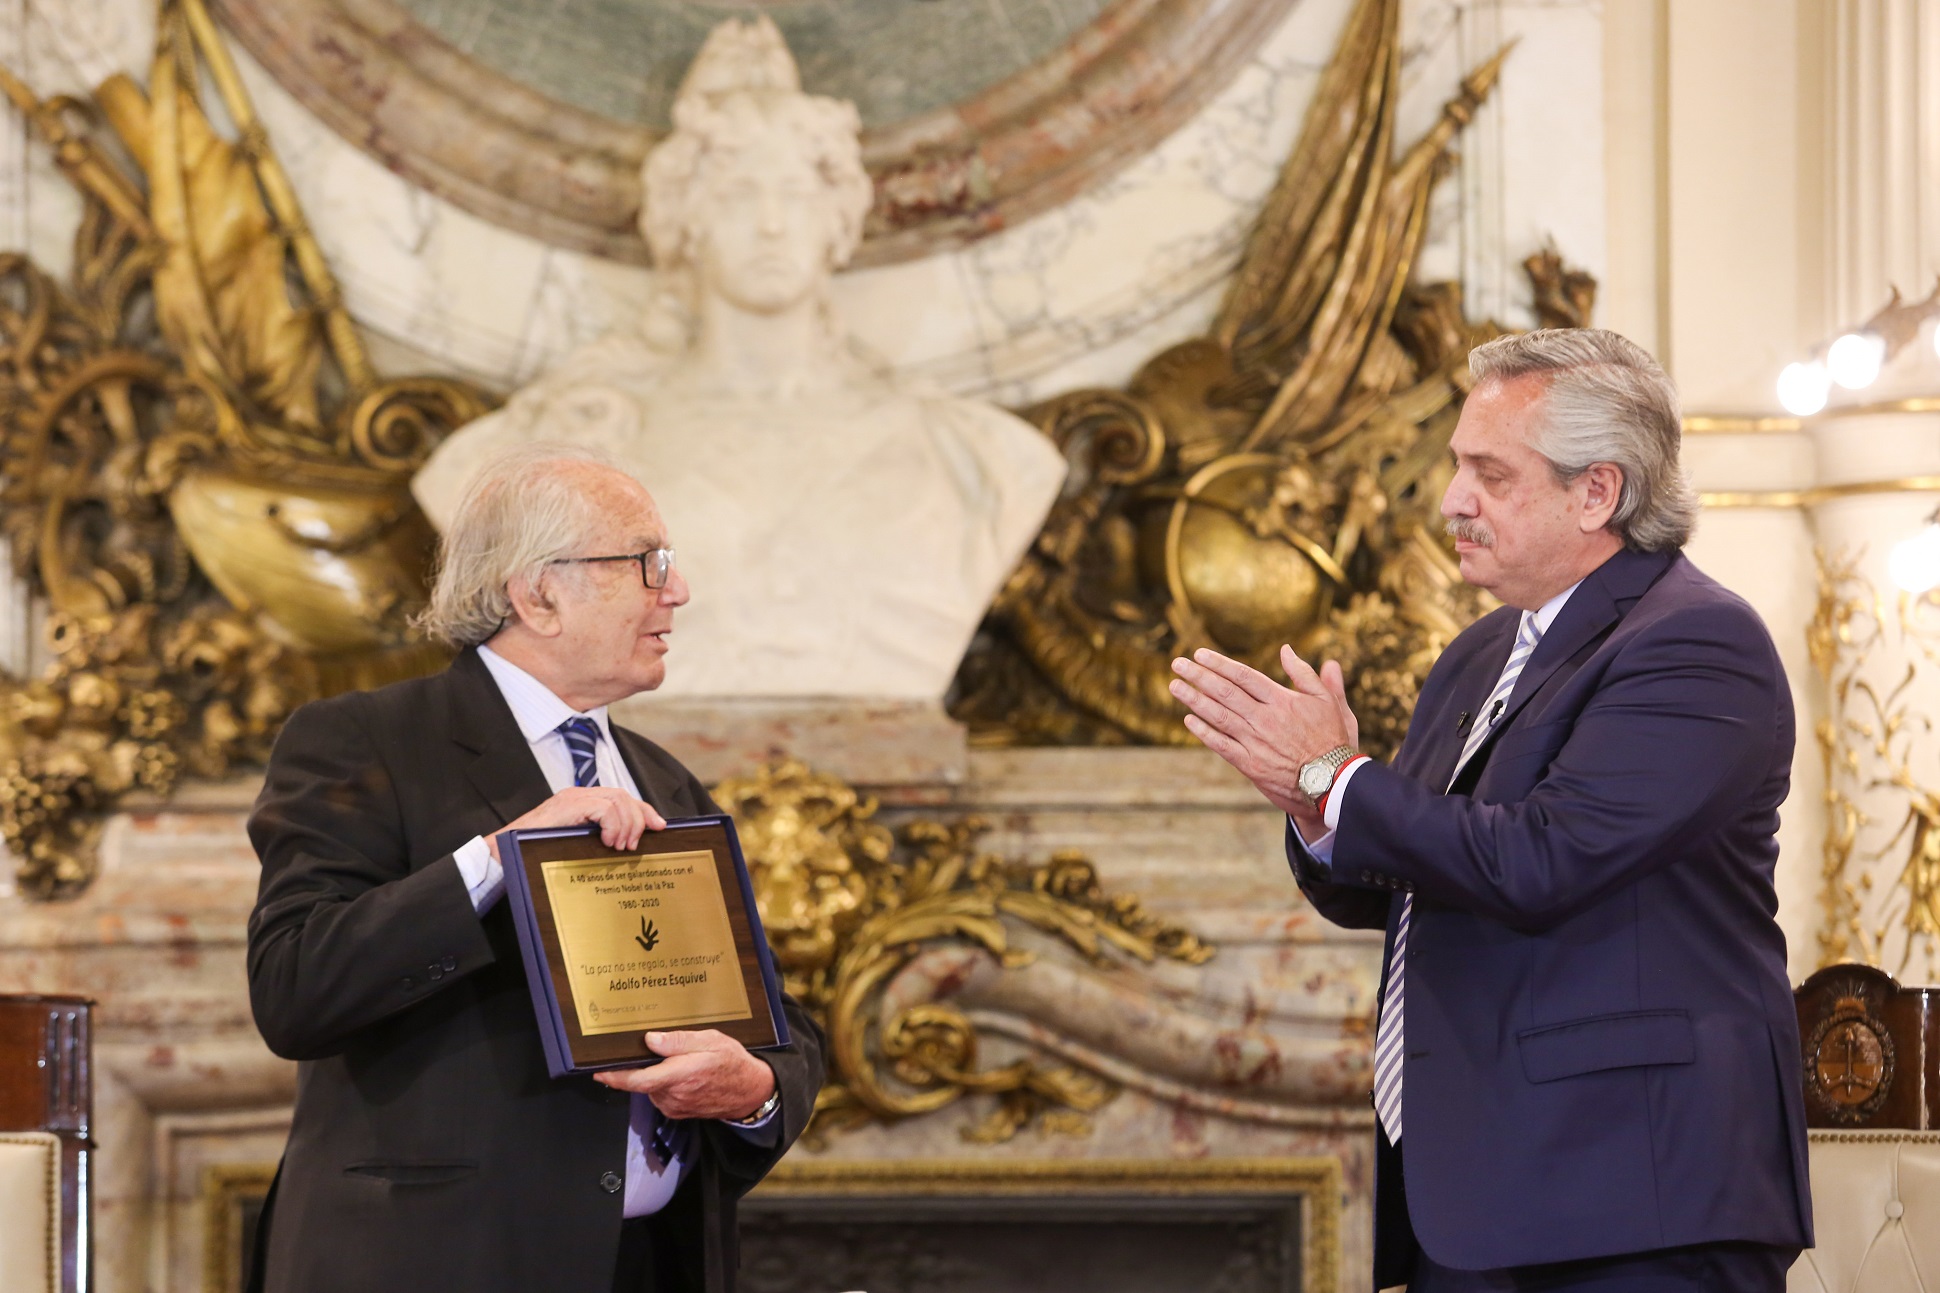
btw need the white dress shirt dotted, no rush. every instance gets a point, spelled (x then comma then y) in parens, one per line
(1322, 849)
(649, 1182)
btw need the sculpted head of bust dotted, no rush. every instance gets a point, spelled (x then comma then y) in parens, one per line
(759, 193)
(844, 529)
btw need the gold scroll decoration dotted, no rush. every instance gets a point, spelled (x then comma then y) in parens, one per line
(1880, 876)
(200, 475)
(1276, 480)
(847, 904)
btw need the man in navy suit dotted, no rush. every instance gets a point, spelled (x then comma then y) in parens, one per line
(1586, 1062)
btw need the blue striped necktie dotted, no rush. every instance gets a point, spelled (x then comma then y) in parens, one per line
(1388, 1034)
(582, 737)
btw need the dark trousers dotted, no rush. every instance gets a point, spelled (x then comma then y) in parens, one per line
(648, 1267)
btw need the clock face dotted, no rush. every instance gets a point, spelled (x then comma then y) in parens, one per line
(623, 59)
(537, 114)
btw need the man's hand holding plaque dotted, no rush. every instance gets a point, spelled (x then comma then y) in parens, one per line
(706, 1074)
(622, 819)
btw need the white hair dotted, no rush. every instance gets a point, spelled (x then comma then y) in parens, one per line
(519, 513)
(1604, 400)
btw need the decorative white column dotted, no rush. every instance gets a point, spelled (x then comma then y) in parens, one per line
(1881, 81)
(1874, 68)
(1877, 660)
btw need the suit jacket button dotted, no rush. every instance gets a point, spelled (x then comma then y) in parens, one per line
(611, 1182)
(406, 983)
(436, 971)
(450, 963)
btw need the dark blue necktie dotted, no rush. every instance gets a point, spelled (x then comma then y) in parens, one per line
(582, 739)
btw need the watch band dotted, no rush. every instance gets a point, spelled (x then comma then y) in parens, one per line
(1333, 785)
(765, 1112)
(1334, 760)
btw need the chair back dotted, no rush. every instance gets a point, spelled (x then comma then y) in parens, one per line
(46, 1101)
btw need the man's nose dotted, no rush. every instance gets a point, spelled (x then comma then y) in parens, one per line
(675, 591)
(1457, 500)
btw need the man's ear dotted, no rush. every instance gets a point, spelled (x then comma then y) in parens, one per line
(533, 606)
(1601, 488)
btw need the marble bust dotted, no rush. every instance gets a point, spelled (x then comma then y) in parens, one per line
(843, 532)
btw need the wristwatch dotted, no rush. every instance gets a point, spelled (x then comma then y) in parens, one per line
(766, 1111)
(1317, 776)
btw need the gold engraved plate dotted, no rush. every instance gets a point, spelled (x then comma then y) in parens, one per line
(645, 942)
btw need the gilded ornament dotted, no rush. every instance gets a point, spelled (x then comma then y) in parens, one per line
(1874, 900)
(848, 906)
(1274, 481)
(200, 475)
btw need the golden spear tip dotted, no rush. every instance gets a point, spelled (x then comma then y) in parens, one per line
(1481, 82)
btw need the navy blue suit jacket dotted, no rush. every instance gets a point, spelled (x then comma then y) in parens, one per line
(1601, 1050)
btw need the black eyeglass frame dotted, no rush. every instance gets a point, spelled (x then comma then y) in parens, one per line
(663, 567)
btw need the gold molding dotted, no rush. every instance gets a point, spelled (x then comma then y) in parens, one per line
(1817, 494)
(1317, 1183)
(1733, 424)
(224, 1186)
(1782, 424)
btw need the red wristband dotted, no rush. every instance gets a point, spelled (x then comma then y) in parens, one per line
(1321, 804)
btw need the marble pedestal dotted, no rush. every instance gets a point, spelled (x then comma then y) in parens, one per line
(1261, 1053)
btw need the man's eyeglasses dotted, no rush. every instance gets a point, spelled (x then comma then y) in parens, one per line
(656, 564)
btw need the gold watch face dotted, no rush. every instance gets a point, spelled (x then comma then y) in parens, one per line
(1314, 780)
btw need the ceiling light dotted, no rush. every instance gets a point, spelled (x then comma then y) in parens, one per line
(1854, 360)
(1914, 563)
(1802, 388)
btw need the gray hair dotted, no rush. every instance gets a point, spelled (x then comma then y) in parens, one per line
(1605, 400)
(520, 512)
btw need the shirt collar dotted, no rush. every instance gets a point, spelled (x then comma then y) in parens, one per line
(539, 712)
(1545, 614)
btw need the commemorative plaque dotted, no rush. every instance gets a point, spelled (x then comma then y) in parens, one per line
(662, 936)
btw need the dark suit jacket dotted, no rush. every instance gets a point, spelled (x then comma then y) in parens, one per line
(1601, 1052)
(430, 1150)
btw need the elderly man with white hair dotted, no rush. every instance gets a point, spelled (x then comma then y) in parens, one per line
(429, 1147)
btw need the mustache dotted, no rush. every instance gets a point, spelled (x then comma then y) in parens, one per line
(1470, 531)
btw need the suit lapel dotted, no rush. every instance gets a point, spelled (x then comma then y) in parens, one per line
(1605, 595)
(498, 759)
(646, 775)
(1471, 690)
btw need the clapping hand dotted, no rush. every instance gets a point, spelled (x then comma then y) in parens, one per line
(1263, 729)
